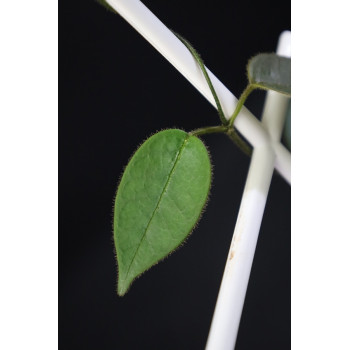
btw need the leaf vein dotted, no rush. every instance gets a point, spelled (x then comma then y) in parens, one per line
(177, 158)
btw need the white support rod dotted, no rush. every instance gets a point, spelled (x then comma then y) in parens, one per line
(229, 305)
(228, 310)
(153, 30)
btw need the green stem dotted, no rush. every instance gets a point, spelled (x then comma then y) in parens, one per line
(227, 126)
(209, 130)
(240, 104)
(230, 132)
(200, 62)
(234, 136)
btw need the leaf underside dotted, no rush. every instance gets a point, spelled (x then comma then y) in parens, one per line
(159, 200)
(270, 72)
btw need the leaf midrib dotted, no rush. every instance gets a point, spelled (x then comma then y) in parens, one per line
(178, 156)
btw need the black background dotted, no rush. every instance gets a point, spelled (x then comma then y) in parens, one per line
(115, 90)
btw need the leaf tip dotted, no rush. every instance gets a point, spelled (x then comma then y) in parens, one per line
(122, 287)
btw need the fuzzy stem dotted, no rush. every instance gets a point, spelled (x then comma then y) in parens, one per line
(240, 143)
(200, 62)
(209, 130)
(240, 103)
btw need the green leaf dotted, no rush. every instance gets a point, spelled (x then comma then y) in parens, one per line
(159, 200)
(270, 72)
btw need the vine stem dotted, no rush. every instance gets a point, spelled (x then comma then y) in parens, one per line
(233, 135)
(209, 130)
(200, 62)
(230, 132)
(240, 104)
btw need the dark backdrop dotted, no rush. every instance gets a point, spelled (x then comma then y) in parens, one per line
(114, 91)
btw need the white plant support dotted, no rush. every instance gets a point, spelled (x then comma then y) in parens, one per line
(268, 154)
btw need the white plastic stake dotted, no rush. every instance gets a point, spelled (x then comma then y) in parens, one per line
(225, 324)
(153, 30)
